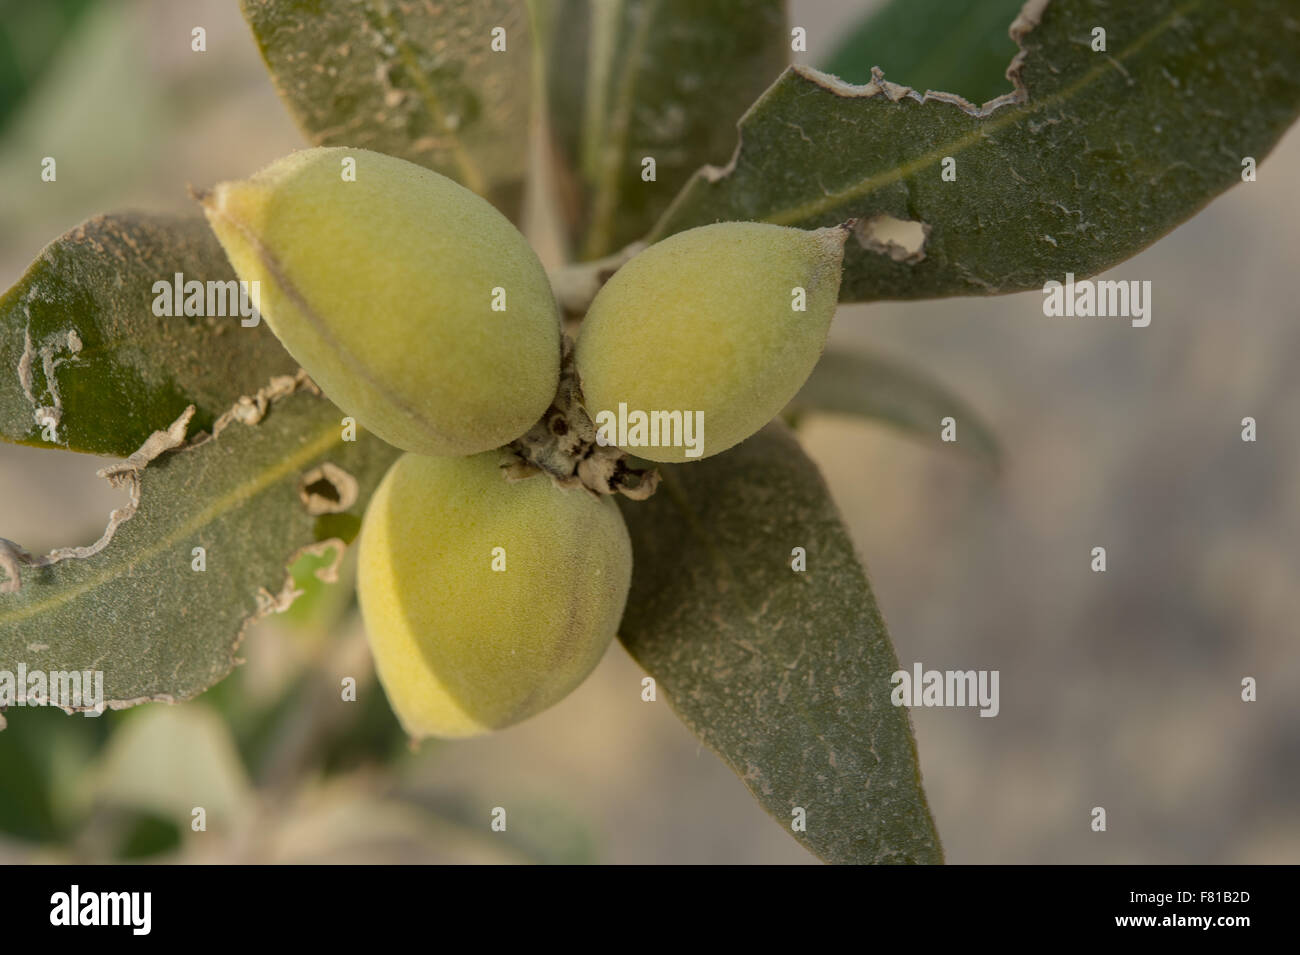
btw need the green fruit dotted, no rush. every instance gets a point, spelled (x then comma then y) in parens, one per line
(461, 646)
(383, 289)
(704, 323)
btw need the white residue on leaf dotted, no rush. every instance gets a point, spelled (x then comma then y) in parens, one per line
(25, 364)
(66, 340)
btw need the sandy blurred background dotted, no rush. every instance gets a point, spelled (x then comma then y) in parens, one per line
(1119, 689)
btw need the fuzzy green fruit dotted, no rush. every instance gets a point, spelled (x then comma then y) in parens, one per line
(704, 323)
(462, 646)
(383, 289)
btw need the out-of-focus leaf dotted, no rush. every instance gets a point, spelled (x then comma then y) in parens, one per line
(372, 735)
(148, 835)
(958, 46)
(30, 37)
(414, 79)
(540, 830)
(78, 116)
(78, 335)
(43, 758)
(665, 79)
(784, 673)
(167, 760)
(343, 823)
(137, 610)
(1100, 154)
(872, 386)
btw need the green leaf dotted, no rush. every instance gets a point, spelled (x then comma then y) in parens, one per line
(960, 46)
(31, 35)
(785, 674)
(873, 386)
(147, 835)
(324, 595)
(166, 760)
(138, 610)
(541, 830)
(78, 337)
(415, 80)
(653, 78)
(1106, 153)
(346, 822)
(51, 754)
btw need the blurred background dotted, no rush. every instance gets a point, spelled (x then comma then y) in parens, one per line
(1119, 690)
